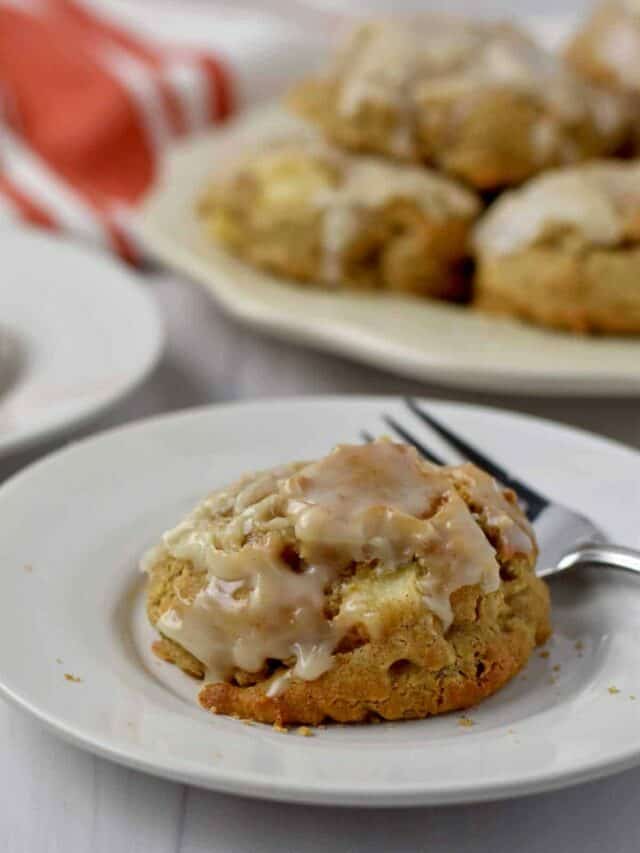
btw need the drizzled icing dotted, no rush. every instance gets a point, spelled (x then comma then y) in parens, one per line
(363, 502)
(368, 184)
(619, 48)
(598, 202)
(461, 557)
(379, 505)
(345, 189)
(612, 36)
(433, 58)
(253, 608)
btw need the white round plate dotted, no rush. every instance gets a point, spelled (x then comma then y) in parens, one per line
(73, 604)
(77, 332)
(419, 338)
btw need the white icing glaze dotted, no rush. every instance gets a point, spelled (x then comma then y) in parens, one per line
(279, 683)
(500, 514)
(378, 504)
(618, 45)
(368, 184)
(272, 612)
(365, 503)
(402, 64)
(357, 478)
(360, 185)
(598, 202)
(339, 226)
(462, 557)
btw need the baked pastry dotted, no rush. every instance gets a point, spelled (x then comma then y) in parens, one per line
(303, 210)
(607, 48)
(480, 100)
(564, 250)
(367, 584)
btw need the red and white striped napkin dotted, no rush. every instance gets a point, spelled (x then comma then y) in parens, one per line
(92, 92)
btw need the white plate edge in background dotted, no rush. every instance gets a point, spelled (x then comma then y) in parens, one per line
(147, 313)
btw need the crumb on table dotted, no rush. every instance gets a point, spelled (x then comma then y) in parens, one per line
(556, 668)
(74, 678)
(279, 728)
(613, 690)
(579, 645)
(304, 731)
(545, 654)
(466, 722)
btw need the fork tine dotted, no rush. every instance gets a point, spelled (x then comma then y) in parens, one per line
(410, 439)
(535, 502)
(366, 436)
(462, 446)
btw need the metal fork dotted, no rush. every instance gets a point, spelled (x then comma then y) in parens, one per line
(567, 539)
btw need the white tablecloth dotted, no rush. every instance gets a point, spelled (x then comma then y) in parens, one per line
(56, 798)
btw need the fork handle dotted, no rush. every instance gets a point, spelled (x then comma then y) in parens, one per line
(607, 556)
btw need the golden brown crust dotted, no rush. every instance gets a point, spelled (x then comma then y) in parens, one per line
(274, 211)
(409, 675)
(480, 101)
(584, 290)
(168, 581)
(413, 587)
(592, 51)
(604, 52)
(492, 143)
(409, 672)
